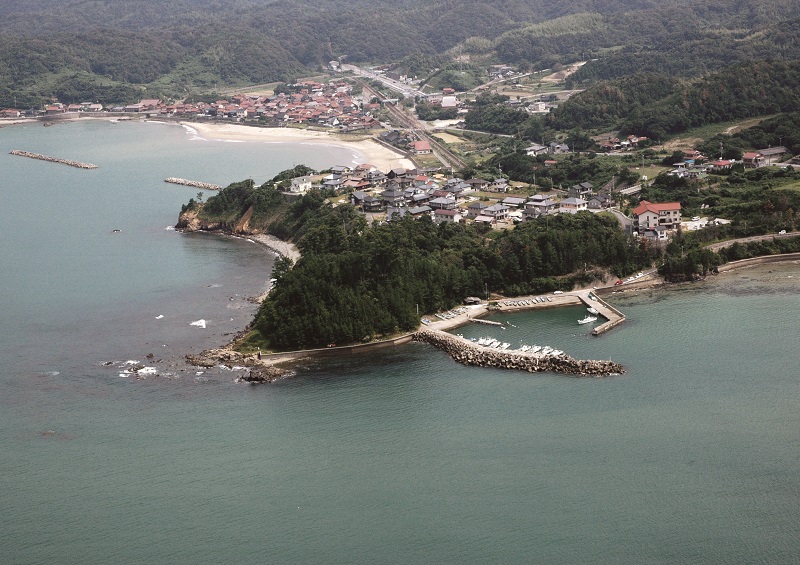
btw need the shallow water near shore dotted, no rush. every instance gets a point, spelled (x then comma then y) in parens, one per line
(401, 456)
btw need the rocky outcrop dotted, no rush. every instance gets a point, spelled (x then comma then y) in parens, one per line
(468, 353)
(264, 375)
(190, 221)
(260, 371)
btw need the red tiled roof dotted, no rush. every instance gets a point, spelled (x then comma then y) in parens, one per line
(645, 206)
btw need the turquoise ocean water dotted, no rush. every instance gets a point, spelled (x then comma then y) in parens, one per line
(692, 456)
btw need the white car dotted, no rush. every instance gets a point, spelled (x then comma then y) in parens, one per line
(696, 219)
(557, 292)
(782, 232)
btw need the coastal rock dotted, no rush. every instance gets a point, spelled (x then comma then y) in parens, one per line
(261, 375)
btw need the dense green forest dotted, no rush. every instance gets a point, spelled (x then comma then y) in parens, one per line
(177, 48)
(652, 105)
(356, 282)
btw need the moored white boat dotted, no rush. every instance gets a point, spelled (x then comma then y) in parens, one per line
(587, 320)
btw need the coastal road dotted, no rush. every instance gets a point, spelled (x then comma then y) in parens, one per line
(768, 237)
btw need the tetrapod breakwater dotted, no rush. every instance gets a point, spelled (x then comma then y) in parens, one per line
(468, 353)
(30, 155)
(193, 183)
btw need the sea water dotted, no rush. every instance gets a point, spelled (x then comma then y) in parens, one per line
(401, 456)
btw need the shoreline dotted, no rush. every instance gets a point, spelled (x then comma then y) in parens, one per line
(374, 153)
(366, 147)
(570, 298)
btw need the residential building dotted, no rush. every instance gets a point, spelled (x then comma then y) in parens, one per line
(648, 215)
(446, 216)
(300, 185)
(572, 205)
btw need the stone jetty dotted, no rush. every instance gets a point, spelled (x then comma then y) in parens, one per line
(469, 353)
(30, 155)
(193, 183)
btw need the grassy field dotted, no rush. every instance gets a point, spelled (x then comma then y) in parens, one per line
(695, 135)
(448, 138)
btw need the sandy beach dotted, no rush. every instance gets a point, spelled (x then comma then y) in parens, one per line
(373, 153)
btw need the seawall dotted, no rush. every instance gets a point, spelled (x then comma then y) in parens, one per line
(468, 353)
(76, 164)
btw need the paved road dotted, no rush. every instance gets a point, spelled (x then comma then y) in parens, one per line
(768, 237)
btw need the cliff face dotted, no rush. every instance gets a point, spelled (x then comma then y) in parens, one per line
(190, 221)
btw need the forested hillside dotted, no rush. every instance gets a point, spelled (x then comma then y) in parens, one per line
(178, 47)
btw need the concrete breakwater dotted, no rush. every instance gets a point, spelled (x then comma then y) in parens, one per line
(193, 183)
(468, 353)
(30, 155)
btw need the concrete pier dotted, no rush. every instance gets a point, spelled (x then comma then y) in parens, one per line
(613, 316)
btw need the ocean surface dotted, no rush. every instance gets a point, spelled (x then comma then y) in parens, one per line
(403, 456)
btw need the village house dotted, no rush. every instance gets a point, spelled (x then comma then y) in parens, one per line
(442, 204)
(600, 202)
(499, 185)
(536, 149)
(572, 205)
(421, 147)
(540, 203)
(477, 183)
(772, 154)
(446, 216)
(656, 234)
(497, 212)
(476, 209)
(583, 190)
(648, 215)
(513, 202)
(393, 196)
(300, 185)
(419, 211)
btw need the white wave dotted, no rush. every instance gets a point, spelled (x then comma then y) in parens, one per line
(148, 371)
(170, 228)
(200, 323)
(124, 375)
(131, 362)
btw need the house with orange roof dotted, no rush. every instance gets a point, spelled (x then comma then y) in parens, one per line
(648, 215)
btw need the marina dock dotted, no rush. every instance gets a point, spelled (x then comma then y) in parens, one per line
(613, 316)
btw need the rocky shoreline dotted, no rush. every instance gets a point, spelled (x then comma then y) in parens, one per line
(467, 353)
(260, 371)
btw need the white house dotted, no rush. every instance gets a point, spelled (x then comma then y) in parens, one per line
(648, 215)
(572, 205)
(300, 185)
